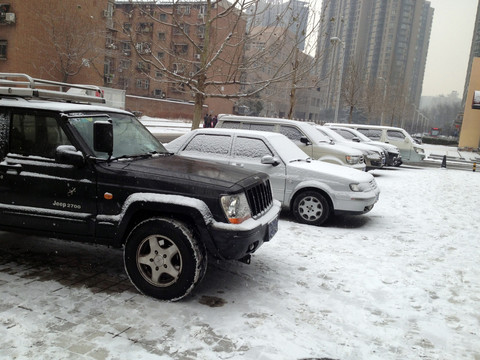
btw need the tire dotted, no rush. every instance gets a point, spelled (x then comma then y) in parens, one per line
(163, 259)
(311, 207)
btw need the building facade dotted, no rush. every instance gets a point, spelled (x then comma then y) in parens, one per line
(387, 39)
(127, 45)
(55, 39)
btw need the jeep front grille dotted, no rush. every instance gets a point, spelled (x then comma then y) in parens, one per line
(260, 198)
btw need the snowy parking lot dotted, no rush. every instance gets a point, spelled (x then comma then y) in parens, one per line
(401, 282)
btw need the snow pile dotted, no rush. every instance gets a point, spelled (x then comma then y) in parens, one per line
(401, 282)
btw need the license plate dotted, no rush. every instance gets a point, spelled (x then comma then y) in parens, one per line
(272, 228)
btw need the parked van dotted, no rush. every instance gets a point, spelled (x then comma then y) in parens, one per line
(409, 149)
(304, 135)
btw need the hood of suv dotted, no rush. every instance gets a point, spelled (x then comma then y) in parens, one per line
(190, 175)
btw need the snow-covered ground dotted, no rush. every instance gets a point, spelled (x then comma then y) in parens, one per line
(402, 282)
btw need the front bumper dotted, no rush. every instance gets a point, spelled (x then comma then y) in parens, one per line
(235, 241)
(356, 203)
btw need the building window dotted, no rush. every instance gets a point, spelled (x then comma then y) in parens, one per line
(160, 55)
(125, 64)
(162, 17)
(145, 28)
(143, 83)
(183, 10)
(123, 83)
(3, 49)
(181, 29)
(127, 27)
(143, 47)
(161, 36)
(158, 93)
(180, 49)
(126, 48)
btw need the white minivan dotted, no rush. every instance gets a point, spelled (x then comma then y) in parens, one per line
(304, 135)
(409, 149)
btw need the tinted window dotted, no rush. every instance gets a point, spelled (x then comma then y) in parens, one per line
(250, 148)
(395, 135)
(291, 132)
(212, 144)
(37, 135)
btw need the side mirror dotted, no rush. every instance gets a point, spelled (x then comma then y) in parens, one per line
(355, 139)
(103, 137)
(304, 140)
(270, 160)
(68, 154)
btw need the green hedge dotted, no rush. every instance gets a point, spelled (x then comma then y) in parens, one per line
(439, 141)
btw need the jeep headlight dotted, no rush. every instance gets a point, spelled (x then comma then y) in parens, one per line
(236, 208)
(419, 150)
(353, 159)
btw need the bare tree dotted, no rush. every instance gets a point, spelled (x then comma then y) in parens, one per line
(210, 48)
(352, 86)
(75, 36)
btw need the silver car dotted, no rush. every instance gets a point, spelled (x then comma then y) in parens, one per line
(375, 157)
(312, 190)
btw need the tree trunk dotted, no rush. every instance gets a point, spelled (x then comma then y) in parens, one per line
(198, 111)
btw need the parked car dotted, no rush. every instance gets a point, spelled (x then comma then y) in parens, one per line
(82, 171)
(304, 135)
(410, 150)
(394, 158)
(375, 156)
(312, 190)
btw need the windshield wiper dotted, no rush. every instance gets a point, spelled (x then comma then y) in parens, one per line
(308, 159)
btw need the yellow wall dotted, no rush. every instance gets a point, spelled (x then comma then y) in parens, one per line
(470, 132)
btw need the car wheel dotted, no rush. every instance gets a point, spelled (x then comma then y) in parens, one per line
(311, 207)
(163, 259)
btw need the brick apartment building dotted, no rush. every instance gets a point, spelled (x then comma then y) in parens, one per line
(36, 38)
(124, 45)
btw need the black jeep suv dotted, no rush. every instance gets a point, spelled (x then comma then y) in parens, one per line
(91, 173)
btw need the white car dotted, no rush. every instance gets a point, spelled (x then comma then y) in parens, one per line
(312, 190)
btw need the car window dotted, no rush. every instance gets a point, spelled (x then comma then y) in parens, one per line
(208, 143)
(232, 124)
(36, 135)
(345, 133)
(373, 134)
(262, 127)
(246, 147)
(395, 135)
(291, 132)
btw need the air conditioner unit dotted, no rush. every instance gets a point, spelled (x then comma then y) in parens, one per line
(192, 74)
(109, 79)
(197, 56)
(201, 36)
(10, 18)
(107, 14)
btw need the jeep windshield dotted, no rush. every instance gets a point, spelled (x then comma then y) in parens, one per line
(130, 138)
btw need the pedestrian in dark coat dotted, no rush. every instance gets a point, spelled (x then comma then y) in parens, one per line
(206, 122)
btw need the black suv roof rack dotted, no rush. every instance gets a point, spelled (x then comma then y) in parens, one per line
(23, 85)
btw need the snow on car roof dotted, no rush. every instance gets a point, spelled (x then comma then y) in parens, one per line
(59, 106)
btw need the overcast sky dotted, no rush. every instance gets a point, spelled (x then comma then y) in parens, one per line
(450, 42)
